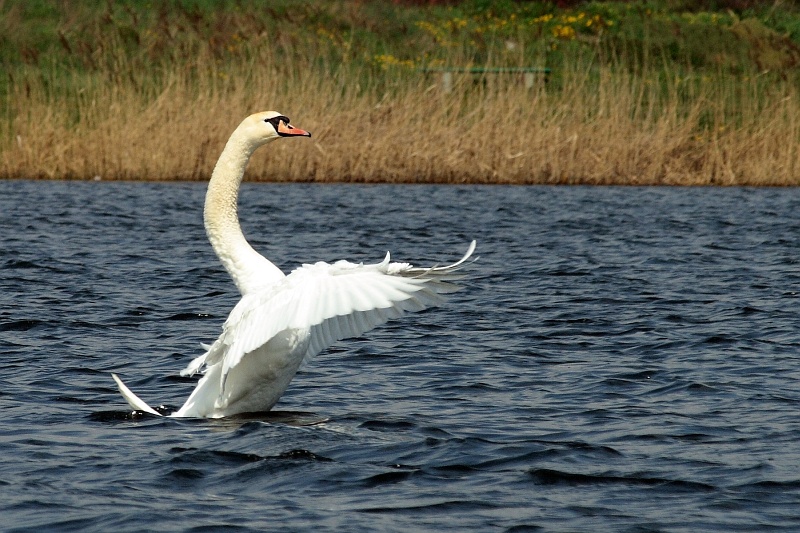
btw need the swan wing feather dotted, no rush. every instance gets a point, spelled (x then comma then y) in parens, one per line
(335, 301)
(133, 400)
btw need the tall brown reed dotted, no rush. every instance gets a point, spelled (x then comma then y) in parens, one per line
(601, 124)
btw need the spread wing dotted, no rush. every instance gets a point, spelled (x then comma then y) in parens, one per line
(333, 301)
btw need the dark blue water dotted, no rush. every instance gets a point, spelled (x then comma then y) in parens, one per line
(621, 359)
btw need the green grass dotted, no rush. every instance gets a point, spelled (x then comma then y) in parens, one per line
(137, 39)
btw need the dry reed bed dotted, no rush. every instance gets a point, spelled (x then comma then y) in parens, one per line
(606, 128)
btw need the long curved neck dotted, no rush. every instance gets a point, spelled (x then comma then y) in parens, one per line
(221, 218)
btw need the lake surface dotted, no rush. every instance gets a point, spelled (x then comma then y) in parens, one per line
(620, 359)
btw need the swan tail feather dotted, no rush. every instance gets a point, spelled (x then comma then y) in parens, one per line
(133, 400)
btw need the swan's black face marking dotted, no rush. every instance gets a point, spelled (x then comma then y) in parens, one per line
(275, 121)
(284, 129)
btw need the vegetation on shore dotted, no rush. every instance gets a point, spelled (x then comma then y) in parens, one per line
(649, 92)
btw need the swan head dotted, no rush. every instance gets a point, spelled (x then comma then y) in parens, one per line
(261, 128)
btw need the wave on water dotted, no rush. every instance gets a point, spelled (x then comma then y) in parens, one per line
(620, 359)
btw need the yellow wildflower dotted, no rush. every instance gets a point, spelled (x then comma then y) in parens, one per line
(564, 32)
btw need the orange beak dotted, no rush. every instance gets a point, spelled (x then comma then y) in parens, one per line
(287, 130)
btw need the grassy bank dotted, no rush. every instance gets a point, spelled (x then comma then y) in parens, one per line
(640, 93)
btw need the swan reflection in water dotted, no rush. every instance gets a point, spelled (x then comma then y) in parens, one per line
(282, 321)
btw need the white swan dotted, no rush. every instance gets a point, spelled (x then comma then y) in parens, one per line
(282, 320)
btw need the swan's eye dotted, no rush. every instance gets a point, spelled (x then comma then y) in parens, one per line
(276, 120)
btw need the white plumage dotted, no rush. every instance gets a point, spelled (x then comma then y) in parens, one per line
(282, 320)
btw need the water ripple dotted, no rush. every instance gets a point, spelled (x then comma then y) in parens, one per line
(621, 359)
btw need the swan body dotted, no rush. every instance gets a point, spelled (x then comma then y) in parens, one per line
(282, 321)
